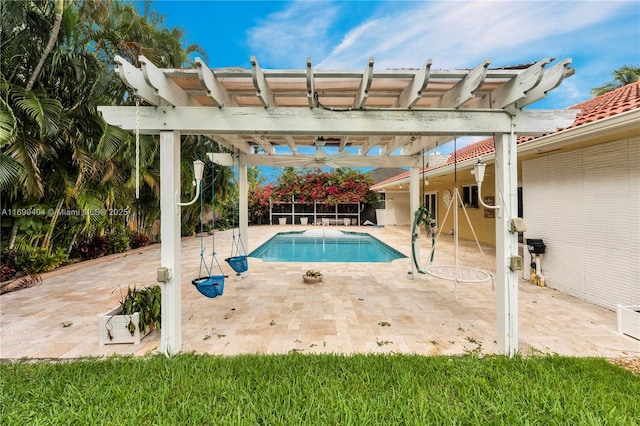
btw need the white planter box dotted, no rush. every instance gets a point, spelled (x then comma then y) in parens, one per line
(629, 320)
(304, 220)
(111, 324)
(282, 220)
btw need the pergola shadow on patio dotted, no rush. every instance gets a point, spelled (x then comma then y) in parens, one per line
(359, 308)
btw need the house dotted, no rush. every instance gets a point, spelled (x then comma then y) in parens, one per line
(578, 191)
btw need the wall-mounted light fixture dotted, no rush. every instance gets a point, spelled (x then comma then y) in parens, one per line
(478, 172)
(198, 170)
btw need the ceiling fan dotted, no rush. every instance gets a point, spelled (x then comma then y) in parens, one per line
(319, 159)
(322, 159)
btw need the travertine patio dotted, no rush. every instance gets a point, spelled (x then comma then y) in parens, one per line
(363, 308)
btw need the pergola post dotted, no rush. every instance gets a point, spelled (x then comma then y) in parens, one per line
(170, 249)
(506, 189)
(414, 204)
(243, 215)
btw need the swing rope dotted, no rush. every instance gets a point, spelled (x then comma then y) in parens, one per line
(209, 285)
(137, 148)
(236, 244)
(422, 215)
(238, 259)
(137, 202)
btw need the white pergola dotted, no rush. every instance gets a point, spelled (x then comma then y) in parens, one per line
(392, 117)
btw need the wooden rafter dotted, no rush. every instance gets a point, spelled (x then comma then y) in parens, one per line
(413, 109)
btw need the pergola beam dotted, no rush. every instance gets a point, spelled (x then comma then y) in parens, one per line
(515, 90)
(365, 85)
(369, 144)
(164, 87)
(291, 143)
(458, 95)
(263, 91)
(277, 160)
(550, 80)
(394, 144)
(312, 122)
(233, 142)
(343, 143)
(413, 92)
(215, 89)
(264, 144)
(466, 88)
(132, 77)
(310, 84)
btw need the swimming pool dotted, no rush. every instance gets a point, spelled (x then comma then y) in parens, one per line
(319, 245)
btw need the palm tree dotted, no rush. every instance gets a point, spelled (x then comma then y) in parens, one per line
(621, 77)
(57, 151)
(55, 29)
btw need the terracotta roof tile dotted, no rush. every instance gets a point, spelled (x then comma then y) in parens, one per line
(611, 103)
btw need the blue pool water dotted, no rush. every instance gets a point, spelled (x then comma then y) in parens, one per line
(325, 246)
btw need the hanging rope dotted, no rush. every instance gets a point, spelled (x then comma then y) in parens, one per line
(137, 148)
(209, 285)
(422, 216)
(238, 259)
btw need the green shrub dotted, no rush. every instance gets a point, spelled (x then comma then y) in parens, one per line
(119, 240)
(37, 260)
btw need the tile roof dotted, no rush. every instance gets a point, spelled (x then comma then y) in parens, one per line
(617, 101)
(611, 103)
(383, 173)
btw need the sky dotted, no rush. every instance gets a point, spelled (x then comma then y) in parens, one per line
(599, 36)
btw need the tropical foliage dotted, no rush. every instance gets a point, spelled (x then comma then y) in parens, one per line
(621, 77)
(65, 175)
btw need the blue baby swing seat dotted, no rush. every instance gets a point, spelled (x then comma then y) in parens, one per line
(207, 284)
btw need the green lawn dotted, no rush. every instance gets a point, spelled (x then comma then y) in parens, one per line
(300, 389)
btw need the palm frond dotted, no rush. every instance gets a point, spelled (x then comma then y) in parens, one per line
(110, 141)
(8, 124)
(44, 111)
(10, 171)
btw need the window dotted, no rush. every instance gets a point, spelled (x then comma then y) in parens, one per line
(470, 196)
(382, 201)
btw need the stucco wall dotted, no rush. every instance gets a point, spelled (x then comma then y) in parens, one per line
(585, 205)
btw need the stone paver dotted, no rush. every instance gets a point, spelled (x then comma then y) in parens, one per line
(359, 308)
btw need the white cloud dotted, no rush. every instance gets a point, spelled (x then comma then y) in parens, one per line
(288, 37)
(462, 34)
(598, 35)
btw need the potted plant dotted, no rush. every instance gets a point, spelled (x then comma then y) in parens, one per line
(312, 276)
(138, 313)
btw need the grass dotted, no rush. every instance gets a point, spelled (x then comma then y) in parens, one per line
(300, 389)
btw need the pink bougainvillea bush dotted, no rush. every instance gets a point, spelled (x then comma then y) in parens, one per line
(339, 186)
